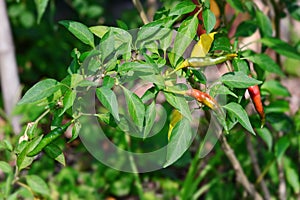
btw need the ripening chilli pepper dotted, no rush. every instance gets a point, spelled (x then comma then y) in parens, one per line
(204, 98)
(210, 102)
(50, 137)
(204, 61)
(256, 99)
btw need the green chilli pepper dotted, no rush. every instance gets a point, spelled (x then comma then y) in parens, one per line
(204, 61)
(50, 137)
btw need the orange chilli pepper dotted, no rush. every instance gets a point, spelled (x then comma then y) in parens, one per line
(210, 102)
(204, 98)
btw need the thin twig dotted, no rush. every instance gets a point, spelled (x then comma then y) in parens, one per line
(152, 7)
(282, 183)
(256, 167)
(241, 177)
(26, 186)
(141, 11)
(277, 11)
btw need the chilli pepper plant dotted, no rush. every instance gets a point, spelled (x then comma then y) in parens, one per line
(183, 63)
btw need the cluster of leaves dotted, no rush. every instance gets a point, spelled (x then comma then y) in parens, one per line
(116, 58)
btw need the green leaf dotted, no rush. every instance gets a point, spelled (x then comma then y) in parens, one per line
(99, 30)
(292, 177)
(122, 40)
(239, 112)
(72, 80)
(199, 76)
(281, 47)
(209, 20)
(280, 122)
(148, 33)
(149, 118)
(149, 94)
(182, 8)
(5, 167)
(266, 136)
(80, 31)
(221, 43)
(264, 24)
(22, 160)
(236, 4)
(158, 80)
(278, 106)
(54, 152)
(68, 100)
(108, 82)
(245, 29)
(179, 102)
(41, 7)
(122, 24)
(5, 144)
(238, 80)
(166, 41)
(41, 90)
(275, 88)
(240, 65)
(221, 89)
(266, 63)
(37, 184)
(134, 66)
(186, 33)
(281, 146)
(136, 107)
(87, 83)
(107, 45)
(109, 100)
(181, 139)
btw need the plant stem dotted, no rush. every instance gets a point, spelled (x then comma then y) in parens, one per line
(281, 175)
(241, 177)
(256, 167)
(25, 186)
(141, 11)
(137, 182)
(41, 116)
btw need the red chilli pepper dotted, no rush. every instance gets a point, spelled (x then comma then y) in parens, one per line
(256, 99)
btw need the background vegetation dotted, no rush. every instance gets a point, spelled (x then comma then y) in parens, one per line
(262, 166)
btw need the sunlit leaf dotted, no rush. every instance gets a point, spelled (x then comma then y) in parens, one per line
(42, 89)
(80, 31)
